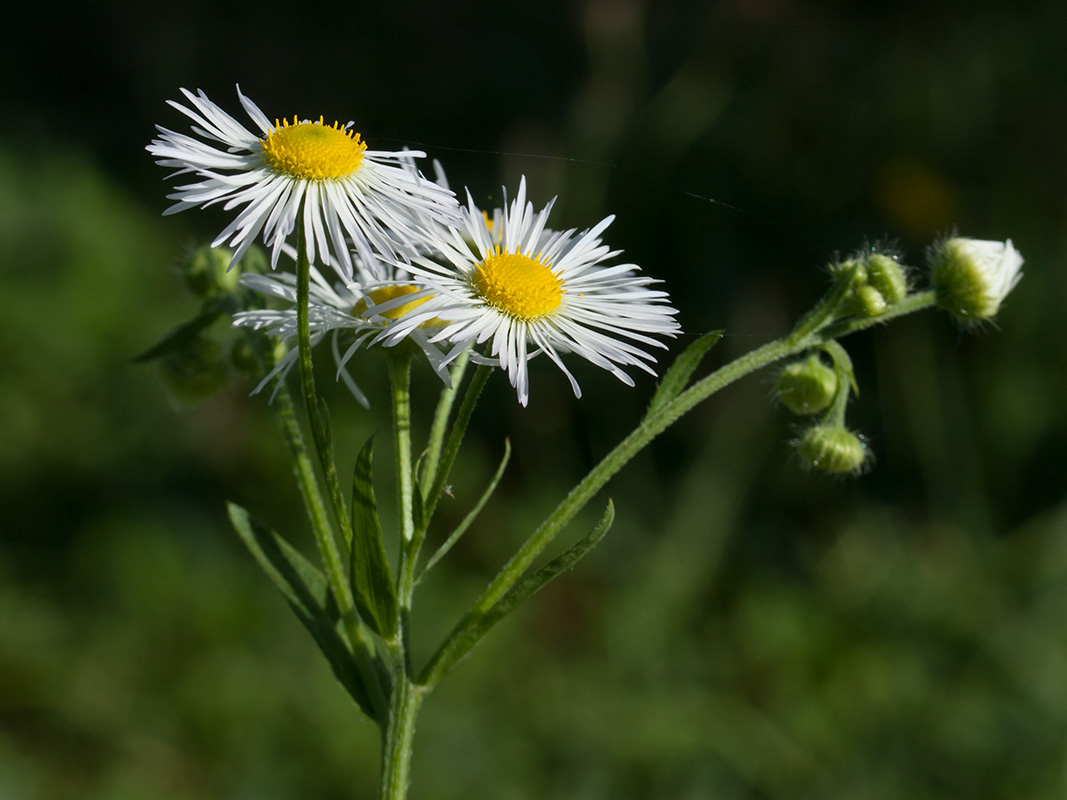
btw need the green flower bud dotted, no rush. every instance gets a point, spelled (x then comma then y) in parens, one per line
(207, 272)
(196, 371)
(871, 301)
(841, 268)
(243, 357)
(972, 277)
(806, 387)
(833, 449)
(888, 277)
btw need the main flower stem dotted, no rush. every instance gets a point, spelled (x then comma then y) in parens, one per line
(361, 640)
(457, 644)
(396, 745)
(406, 695)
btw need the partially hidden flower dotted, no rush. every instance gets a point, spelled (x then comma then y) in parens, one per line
(373, 201)
(352, 315)
(510, 283)
(971, 277)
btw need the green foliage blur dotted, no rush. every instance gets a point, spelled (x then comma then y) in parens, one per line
(747, 629)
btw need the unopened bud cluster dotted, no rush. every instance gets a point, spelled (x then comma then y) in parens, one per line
(878, 282)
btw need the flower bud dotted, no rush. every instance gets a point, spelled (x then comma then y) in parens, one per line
(208, 273)
(870, 300)
(806, 387)
(196, 371)
(243, 357)
(888, 277)
(972, 277)
(833, 449)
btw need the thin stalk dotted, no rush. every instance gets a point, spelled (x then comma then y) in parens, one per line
(311, 397)
(455, 439)
(331, 555)
(454, 648)
(835, 415)
(440, 420)
(410, 536)
(400, 383)
(396, 745)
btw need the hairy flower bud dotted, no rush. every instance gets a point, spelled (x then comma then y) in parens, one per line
(832, 449)
(871, 301)
(207, 273)
(806, 387)
(888, 277)
(972, 277)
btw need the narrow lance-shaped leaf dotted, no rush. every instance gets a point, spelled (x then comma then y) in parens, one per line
(371, 577)
(478, 625)
(677, 377)
(182, 335)
(308, 594)
(472, 515)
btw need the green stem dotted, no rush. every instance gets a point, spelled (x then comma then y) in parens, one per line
(400, 383)
(319, 435)
(396, 745)
(411, 536)
(455, 439)
(440, 420)
(835, 415)
(360, 639)
(455, 645)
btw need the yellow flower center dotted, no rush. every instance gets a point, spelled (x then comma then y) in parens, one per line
(517, 285)
(385, 294)
(313, 150)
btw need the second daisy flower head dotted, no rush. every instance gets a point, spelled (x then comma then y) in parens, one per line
(523, 289)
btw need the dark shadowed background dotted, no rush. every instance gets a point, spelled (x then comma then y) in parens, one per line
(747, 630)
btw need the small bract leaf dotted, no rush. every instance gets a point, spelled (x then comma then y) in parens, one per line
(675, 379)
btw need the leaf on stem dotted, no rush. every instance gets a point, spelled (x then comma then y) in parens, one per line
(455, 439)
(471, 515)
(327, 423)
(675, 379)
(181, 336)
(369, 572)
(480, 624)
(308, 594)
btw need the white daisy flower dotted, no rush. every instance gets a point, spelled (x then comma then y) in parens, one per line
(374, 200)
(362, 309)
(972, 277)
(527, 290)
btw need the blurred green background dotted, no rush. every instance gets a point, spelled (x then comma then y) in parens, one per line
(747, 630)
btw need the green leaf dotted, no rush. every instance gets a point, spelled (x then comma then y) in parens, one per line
(480, 624)
(675, 379)
(418, 503)
(327, 423)
(180, 337)
(471, 515)
(308, 594)
(455, 439)
(369, 572)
